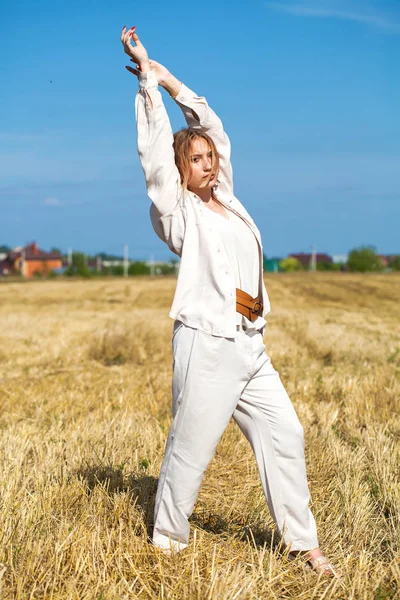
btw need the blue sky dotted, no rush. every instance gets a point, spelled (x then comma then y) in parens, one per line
(308, 91)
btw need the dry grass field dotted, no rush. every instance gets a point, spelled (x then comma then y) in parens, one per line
(85, 375)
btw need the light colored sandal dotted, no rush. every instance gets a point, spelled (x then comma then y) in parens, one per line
(321, 565)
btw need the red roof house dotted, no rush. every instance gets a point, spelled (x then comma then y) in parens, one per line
(31, 259)
(305, 259)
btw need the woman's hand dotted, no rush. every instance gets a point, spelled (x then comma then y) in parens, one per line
(138, 52)
(159, 70)
(164, 78)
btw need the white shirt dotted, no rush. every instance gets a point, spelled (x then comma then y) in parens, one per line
(205, 296)
(241, 248)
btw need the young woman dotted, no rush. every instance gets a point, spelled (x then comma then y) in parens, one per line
(220, 366)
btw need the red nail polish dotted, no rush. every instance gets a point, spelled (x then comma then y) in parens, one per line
(134, 27)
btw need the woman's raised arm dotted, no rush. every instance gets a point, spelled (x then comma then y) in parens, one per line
(154, 133)
(199, 115)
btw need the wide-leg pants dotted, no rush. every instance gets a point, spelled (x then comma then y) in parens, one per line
(215, 378)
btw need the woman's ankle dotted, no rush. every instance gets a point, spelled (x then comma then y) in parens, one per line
(313, 553)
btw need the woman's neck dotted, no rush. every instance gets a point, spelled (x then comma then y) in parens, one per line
(205, 194)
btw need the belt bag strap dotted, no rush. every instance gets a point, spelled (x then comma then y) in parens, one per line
(247, 306)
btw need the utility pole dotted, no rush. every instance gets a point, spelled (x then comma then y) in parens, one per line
(126, 260)
(98, 264)
(69, 256)
(313, 261)
(151, 265)
(23, 263)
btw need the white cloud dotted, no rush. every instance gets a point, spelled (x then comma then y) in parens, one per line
(52, 201)
(350, 11)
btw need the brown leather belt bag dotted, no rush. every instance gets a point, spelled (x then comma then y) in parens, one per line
(247, 306)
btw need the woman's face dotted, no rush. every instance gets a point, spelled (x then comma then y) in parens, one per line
(201, 158)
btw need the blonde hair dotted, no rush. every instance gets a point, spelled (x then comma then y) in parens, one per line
(183, 140)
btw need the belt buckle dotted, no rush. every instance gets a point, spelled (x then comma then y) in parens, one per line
(257, 310)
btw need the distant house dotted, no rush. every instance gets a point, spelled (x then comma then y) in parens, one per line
(340, 259)
(5, 267)
(384, 259)
(305, 259)
(30, 259)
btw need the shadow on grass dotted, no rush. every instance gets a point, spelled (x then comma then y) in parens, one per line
(140, 487)
(254, 533)
(142, 490)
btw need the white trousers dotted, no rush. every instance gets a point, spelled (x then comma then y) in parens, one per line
(215, 378)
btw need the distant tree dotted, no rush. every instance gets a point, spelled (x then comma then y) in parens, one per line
(324, 265)
(394, 263)
(364, 259)
(56, 250)
(167, 268)
(139, 268)
(117, 270)
(4, 249)
(78, 267)
(290, 264)
(105, 256)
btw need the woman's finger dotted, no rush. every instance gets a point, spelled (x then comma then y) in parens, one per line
(127, 36)
(131, 32)
(134, 71)
(135, 38)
